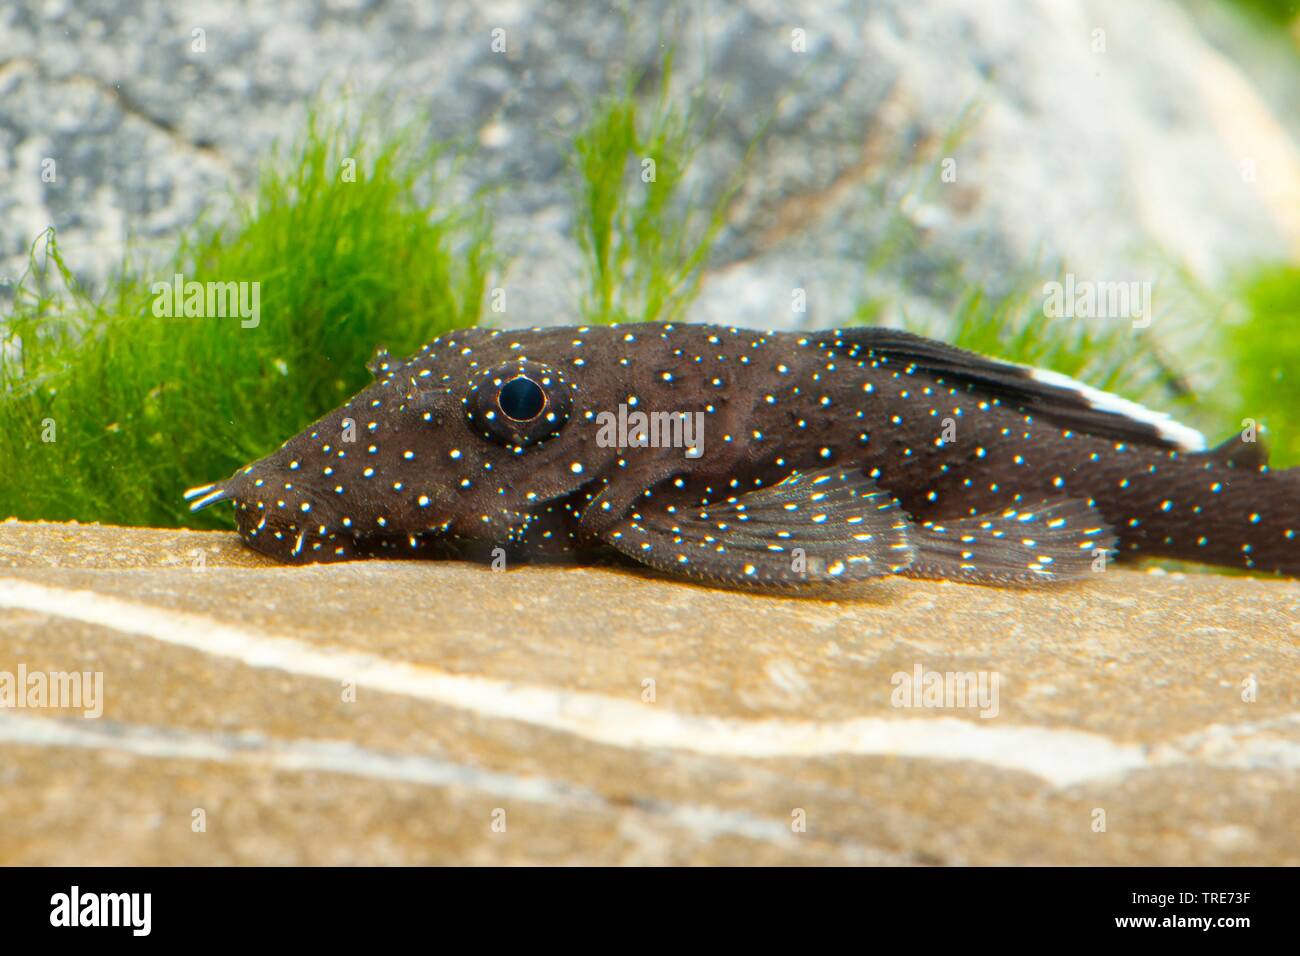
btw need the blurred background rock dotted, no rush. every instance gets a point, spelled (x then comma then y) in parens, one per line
(1094, 132)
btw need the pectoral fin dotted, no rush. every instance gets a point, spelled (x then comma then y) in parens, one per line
(815, 528)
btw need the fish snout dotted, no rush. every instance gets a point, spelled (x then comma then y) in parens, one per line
(289, 514)
(279, 511)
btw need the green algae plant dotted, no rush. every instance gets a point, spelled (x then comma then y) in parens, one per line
(645, 242)
(109, 406)
(1265, 355)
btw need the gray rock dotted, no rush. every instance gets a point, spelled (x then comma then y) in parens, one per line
(1126, 164)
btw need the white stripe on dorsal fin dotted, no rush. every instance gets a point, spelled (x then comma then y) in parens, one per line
(1185, 437)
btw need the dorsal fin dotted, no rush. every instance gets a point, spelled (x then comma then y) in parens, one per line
(1041, 392)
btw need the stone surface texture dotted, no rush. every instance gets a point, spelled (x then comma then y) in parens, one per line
(440, 712)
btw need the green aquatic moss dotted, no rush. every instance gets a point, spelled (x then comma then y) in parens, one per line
(109, 410)
(1265, 351)
(1276, 13)
(644, 238)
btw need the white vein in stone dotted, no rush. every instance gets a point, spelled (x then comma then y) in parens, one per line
(1059, 756)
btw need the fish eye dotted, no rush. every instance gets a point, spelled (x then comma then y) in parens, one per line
(518, 404)
(521, 399)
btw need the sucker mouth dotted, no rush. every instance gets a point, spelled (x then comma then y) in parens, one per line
(276, 536)
(293, 540)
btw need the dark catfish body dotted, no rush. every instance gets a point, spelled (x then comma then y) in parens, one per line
(756, 459)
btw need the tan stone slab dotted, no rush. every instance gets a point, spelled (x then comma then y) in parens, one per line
(42, 544)
(225, 679)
